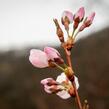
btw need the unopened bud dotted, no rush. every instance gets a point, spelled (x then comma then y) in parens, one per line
(75, 25)
(88, 21)
(78, 17)
(69, 73)
(82, 27)
(65, 22)
(85, 105)
(59, 31)
(67, 18)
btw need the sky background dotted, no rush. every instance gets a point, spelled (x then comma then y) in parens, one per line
(30, 22)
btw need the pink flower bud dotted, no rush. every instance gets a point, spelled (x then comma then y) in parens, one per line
(67, 14)
(90, 17)
(88, 21)
(78, 17)
(38, 58)
(82, 27)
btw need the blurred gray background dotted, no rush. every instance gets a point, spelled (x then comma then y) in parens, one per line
(26, 24)
(29, 22)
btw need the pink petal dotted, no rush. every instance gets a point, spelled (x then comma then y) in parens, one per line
(76, 82)
(62, 77)
(47, 90)
(45, 81)
(67, 14)
(38, 58)
(82, 27)
(50, 89)
(51, 53)
(80, 13)
(88, 21)
(91, 17)
(63, 94)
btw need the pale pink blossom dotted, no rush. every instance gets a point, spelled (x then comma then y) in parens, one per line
(79, 15)
(61, 86)
(40, 58)
(67, 14)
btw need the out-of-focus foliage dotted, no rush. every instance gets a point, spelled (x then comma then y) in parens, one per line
(20, 82)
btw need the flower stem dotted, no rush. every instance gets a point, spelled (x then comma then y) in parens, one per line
(73, 32)
(76, 35)
(68, 33)
(59, 67)
(73, 83)
(65, 65)
(77, 96)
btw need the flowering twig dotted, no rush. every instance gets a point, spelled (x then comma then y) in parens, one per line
(66, 85)
(78, 17)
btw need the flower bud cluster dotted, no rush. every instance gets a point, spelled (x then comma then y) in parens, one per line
(77, 18)
(67, 19)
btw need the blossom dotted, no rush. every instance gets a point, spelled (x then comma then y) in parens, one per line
(61, 86)
(41, 59)
(88, 21)
(78, 17)
(67, 15)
